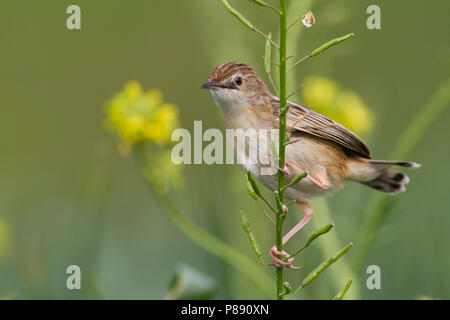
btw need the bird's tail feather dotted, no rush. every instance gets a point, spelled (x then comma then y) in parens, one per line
(378, 175)
(388, 163)
(389, 181)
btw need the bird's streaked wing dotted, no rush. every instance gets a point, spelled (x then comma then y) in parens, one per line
(306, 120)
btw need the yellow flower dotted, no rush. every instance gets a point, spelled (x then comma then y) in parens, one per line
(354, 114)
(133, 90)
(160, 129)
(140, 116)
(154, 97)
(346, 107)
(320, 91)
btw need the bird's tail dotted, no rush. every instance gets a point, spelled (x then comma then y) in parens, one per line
(378, 175)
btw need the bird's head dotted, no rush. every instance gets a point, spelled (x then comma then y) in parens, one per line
(234, 87)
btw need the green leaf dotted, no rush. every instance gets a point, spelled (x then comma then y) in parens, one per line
(191, 284)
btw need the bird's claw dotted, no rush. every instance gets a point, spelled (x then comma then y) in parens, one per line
(285, 171)
(275, 167)
(275, 255)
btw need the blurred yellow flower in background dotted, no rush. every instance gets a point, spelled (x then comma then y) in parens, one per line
(143, 119)
(163, 173)
(346, 107)
(140, 116)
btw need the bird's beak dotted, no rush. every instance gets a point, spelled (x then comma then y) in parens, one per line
(210, 85)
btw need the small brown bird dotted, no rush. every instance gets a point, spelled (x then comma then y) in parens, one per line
(328, 152)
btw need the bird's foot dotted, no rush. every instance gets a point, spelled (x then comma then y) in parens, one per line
(278, 261)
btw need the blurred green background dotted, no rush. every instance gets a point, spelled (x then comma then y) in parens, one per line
(68, 197)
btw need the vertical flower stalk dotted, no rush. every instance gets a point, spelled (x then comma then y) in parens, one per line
(282, 143)
(282, 288)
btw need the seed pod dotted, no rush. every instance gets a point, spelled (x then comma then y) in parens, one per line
(295, 181)
(329, 44)
(319, 232)
(250, 189)
(260, 3)
(298, 178)
(314, 236)
(246, 227)
(267, 54)
(316, 272)
(287, 288)
(253, 183)
(238, 15)
(341, 294)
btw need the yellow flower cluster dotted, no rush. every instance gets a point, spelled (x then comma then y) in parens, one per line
(143, 117)
(346, 107)
(140, 116)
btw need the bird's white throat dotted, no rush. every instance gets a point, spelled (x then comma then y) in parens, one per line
(230, 101)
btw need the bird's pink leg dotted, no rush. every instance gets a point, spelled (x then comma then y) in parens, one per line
(275, 254)
(307, 214)
(275, 167)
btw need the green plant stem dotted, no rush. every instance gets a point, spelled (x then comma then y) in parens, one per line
(234, 258)
(379, 204)
(282, 141)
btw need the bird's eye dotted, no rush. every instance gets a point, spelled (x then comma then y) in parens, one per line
(238, 81)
